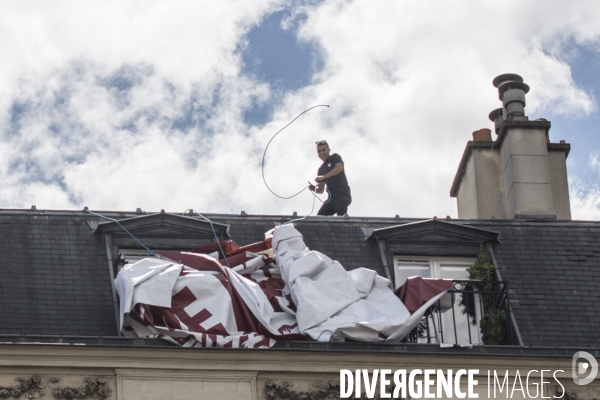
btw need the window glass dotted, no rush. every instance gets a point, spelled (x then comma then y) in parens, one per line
(406, 269)
(454, 272)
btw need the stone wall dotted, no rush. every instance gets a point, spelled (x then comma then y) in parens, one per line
(130, 373)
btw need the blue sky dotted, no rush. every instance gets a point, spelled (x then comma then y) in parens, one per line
(119, 105)
(274, 55)
(582, 131)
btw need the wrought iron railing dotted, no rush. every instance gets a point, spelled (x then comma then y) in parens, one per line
(473, 312)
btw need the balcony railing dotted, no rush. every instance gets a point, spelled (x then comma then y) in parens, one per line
(478, 313)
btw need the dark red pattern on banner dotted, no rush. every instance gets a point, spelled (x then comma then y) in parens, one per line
(417, 291)
(228, 247)
(232, 248)
(176, 318)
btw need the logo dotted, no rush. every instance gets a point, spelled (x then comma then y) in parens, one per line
(580, 367)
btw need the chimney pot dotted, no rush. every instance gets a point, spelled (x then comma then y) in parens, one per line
(511, 91)
(482, 135)
(497, 117)
(500, 79)
(562, 142)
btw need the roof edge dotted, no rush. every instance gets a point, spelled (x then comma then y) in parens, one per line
(459, 229)
(348, 347)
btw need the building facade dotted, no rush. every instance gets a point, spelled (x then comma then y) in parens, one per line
(59, 314)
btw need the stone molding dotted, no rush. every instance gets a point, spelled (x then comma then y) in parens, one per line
(26, 357)
(36, 387)
(95, 388)
(33, 388)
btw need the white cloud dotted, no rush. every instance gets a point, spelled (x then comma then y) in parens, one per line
(407, 83)
(585, 202)
(416, 78)
(585, 197)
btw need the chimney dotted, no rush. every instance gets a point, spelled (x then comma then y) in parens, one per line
(521, 174)
(482, 135)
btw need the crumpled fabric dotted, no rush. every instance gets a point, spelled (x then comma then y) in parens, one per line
(334, 304)
(237, 296)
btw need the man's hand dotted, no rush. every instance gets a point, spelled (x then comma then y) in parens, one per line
(317, 189)
(320, 178)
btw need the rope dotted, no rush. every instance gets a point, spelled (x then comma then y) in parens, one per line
(300, 219)
(265, 153)
(313, 208)
(148, 251)
(214, 233)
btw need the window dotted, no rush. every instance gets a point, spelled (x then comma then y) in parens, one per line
(445, 268)
(131, 256)
(452, 325)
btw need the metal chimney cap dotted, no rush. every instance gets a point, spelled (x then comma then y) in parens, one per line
(506, 78)
(495, 114)
(512, 85)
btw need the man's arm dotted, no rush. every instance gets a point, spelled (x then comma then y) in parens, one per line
(337, 169)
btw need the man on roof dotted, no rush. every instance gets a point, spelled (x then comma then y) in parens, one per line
(332, 174)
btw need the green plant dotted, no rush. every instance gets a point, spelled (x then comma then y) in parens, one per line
(493, 323)
(493, 327)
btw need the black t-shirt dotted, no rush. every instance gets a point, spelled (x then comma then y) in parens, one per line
(337, 183)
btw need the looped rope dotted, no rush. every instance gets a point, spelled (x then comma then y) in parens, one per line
(214, 233)
(265, 153)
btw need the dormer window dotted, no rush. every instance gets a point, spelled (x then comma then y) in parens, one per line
(157, 232)
(442, 250)
(440, 327)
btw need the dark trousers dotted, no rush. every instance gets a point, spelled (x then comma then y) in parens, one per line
(337, 203)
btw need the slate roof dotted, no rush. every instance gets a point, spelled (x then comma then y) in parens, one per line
(554, 274)
(54, 275)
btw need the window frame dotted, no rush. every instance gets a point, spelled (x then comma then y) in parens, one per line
(435, 264)
(131, 256)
